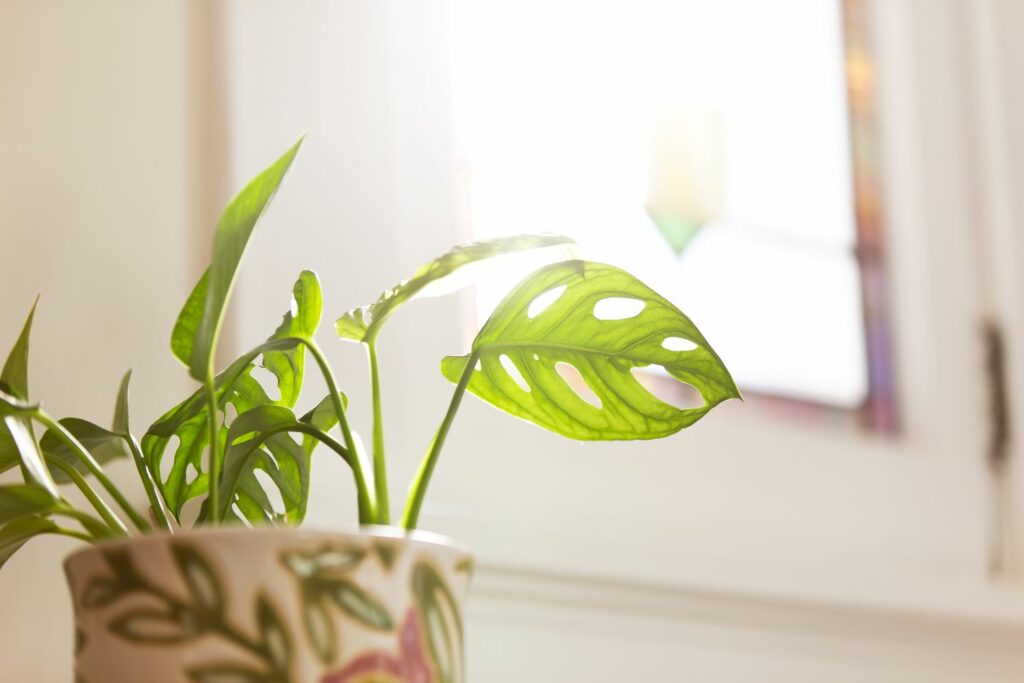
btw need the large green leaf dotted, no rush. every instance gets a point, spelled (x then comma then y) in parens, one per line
(19, 500)
(102, 444)
(362, 324)
(15, 370)
(282, 354)
(233, 231)
(15, 534)
(14, 381)
(603, 351)
(28, 453)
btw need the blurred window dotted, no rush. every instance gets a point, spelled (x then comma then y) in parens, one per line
(706, 147)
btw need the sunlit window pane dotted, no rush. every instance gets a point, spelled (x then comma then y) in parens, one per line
(733, 113)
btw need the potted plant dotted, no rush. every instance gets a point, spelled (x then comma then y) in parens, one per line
(244, 596)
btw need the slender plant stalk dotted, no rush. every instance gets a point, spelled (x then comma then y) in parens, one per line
(85, 518)
(214, 436)
(419, 485)
(380, 472)
(81, 536)
(110, 517)
(367, 505)
(94, 467)
(156, 502)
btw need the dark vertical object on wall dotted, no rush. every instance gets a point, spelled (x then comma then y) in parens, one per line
(998, 449)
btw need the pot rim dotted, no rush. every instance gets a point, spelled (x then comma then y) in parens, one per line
(416, 536)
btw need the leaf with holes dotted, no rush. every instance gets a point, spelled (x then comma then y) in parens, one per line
(553, 318)
(282, 354)
(363, 324)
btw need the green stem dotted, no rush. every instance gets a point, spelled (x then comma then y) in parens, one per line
(419, 485)
(156, 503)
(71, 533)
(380, 473)
(109, 516)
(367, 514)
(87, 521)
(215, 460)
(94, 468)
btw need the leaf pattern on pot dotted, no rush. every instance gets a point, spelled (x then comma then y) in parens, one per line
(203, 585)
(442, 620)
(275, 637)
(227, 673)
(154, 626)
(322, 576)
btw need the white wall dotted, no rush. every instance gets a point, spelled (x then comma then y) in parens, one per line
(95, 216)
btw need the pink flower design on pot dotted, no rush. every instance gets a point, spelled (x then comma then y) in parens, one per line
(410, 666)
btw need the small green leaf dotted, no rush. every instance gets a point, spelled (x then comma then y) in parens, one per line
(183, 336)
(274, 636)
(200, 578)
(121, 424)
(441, 618)
(19, 500)
(228, 673)
(300, 322)
(362, 324)
(29, 455)
(318, 624)
(229, 243)
(154, 626)
(357, 603)
(603, 351)
(103, 445)
(16, 533)
(102, 591)
(15, 370)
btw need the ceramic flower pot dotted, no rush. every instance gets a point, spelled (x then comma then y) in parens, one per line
(270, 606)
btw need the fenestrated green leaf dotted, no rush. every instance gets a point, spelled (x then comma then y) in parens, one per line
(603, 351)
(300, 322)
(102, 444)
(19, 500)
(16, 533)
(15, 370)
(282, 355)
(362, 324)
(245, 439)
(233, 231)
(28, 453)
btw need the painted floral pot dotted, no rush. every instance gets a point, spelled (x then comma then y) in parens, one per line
(270, 606)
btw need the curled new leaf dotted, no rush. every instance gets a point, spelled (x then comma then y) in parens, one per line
(362, 324)
(28, 453)
(233, 231)
(521, 346)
